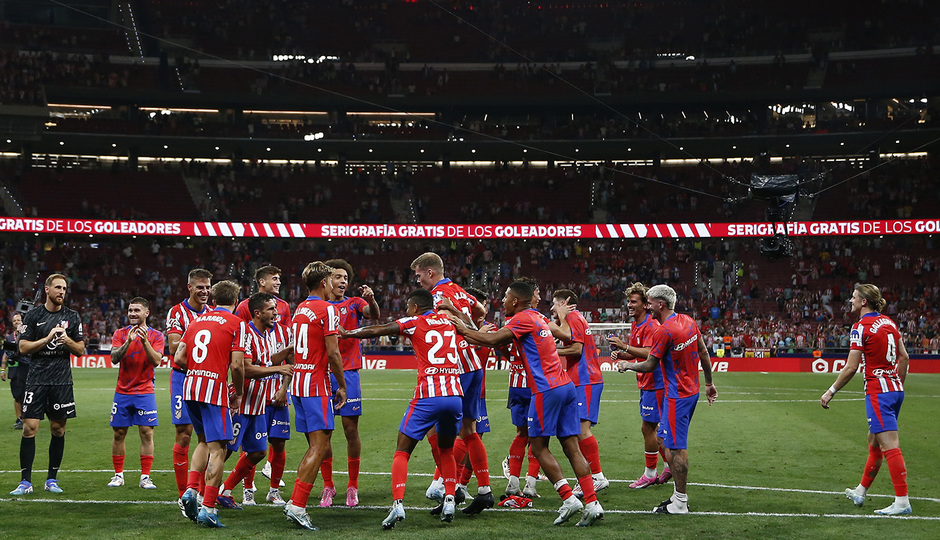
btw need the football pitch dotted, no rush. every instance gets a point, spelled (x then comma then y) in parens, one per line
(766, 461)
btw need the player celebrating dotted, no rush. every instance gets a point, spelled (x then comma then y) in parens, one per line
(650, 384)
(351, 310)
(137, 349)
(214, 344)
(268, 279)
(251, 434)
(437, 398)
(52, 332)
(674, 344)
(584, 370)
(429, 273)
(877, 344)
(19, 369)
(177, 320)
(553, 410)
(316, 347)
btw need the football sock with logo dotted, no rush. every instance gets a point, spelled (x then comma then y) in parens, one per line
(399, 474)
(278, 461)
(238, 473)
(181, 466)
(146, 465)
(118, 462)
(301, 493)
(591, 453)
(898, 471)
(27, 455)
(872, 465)
(353, 464)
(534, 465)
(326, 471)
(448, 470)
(516, 453)
(478, 459)
(56, 449)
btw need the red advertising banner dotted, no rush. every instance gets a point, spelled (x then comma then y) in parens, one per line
(802, 364)
(412, 231)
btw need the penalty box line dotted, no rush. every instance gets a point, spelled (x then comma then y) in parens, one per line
(612, 480)
(531, 510)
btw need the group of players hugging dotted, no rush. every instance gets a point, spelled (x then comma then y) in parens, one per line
(312, 361)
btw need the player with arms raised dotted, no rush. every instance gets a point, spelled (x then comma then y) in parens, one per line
(351, 311)
(177, 320)
(214, 344)
(651, 384)
(437, 400)
(553, 410)
(679, 347)
(136, 349)
(877, 345)
(316, 348)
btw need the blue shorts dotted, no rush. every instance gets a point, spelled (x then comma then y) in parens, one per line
(589, 401)
(134, 410)
(278, 421)
(554, 413)
(211, 422)
(313, 413)
(472, 384)
(353, 406)
(180, 413)
(674, 428)
(651, 405)
(250, 432)
(883, 411)
(519, 399)
(441, 413)
(483, 421)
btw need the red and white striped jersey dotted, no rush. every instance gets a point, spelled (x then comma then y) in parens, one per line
(210, 341)
(256, 390)
(434, 341)
(468, 358)
(279, 338)
(180, 316)
(517, 376)
(878, 338)
(461, 299)
(314, 320)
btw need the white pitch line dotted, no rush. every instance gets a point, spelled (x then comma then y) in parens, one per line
(532, 510)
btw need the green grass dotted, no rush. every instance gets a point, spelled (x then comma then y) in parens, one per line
(766, 431)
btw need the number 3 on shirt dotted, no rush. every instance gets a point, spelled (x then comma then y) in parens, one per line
(437, 341)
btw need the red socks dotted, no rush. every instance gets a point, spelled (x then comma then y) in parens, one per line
(118, 462)
(460, 450)
(898, 471)
(192, 480)
(448, 470)
(516, 453)
(651, 459)
(587, 487)
(250, 478)
(399, 474)
(478, 459)
(212, 494)
(534, 465)
(326, 471)
(278, 460)
(180, 466)
(871, 466)
(354, 473)
(435, 451)
(301, 493)
(240, 471)
(146, 464)
(564, 490)
(591, 453)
